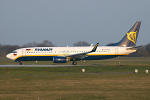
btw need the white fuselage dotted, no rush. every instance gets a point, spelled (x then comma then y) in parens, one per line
(47, 53)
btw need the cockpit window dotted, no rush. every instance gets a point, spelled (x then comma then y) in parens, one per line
(14, 52)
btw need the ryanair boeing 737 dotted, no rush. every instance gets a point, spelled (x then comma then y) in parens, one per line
(125, 46)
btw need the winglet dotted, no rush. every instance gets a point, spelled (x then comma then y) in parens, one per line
(95, 47)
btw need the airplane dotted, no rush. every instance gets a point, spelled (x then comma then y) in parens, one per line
(125, 46)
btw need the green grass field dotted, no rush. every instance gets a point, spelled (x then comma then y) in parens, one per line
(101, 81)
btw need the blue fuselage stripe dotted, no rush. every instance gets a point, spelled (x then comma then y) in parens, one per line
(50, 58)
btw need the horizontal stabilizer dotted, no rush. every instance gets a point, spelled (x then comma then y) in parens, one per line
(134, 48)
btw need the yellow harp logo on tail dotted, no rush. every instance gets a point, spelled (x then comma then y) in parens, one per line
(132, 36)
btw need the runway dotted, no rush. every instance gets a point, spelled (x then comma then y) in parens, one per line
(110, 73)
(39, 65)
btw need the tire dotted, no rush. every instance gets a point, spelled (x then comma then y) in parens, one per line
(74, 63)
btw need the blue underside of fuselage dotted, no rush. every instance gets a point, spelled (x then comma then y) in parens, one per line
(50, 58)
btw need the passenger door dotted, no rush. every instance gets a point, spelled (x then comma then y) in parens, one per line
(23, 52)
(116, 51)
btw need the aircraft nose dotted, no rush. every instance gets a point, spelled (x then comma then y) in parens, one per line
(9, 56)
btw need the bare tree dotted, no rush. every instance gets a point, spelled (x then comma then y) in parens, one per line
(147, 48)
(31, 44)
(81, 43)
(5, 49)
(45, 43)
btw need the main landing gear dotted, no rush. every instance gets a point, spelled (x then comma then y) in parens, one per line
(74, 63)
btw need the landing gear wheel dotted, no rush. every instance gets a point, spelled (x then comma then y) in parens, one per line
(20, 62)
(74, 63)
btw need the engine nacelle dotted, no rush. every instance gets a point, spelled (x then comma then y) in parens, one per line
(59, 59)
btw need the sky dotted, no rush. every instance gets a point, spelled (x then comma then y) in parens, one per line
(65, 22)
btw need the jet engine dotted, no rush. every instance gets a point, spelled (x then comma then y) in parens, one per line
(59, 59)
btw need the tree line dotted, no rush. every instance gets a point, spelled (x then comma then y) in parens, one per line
(143, 51)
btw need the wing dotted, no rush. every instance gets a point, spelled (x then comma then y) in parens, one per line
(82, 55)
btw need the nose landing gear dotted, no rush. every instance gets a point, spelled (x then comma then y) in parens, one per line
(20, 62)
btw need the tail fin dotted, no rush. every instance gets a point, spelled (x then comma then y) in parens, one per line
(129, 40)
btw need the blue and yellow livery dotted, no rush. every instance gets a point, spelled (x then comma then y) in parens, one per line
(63, 54)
